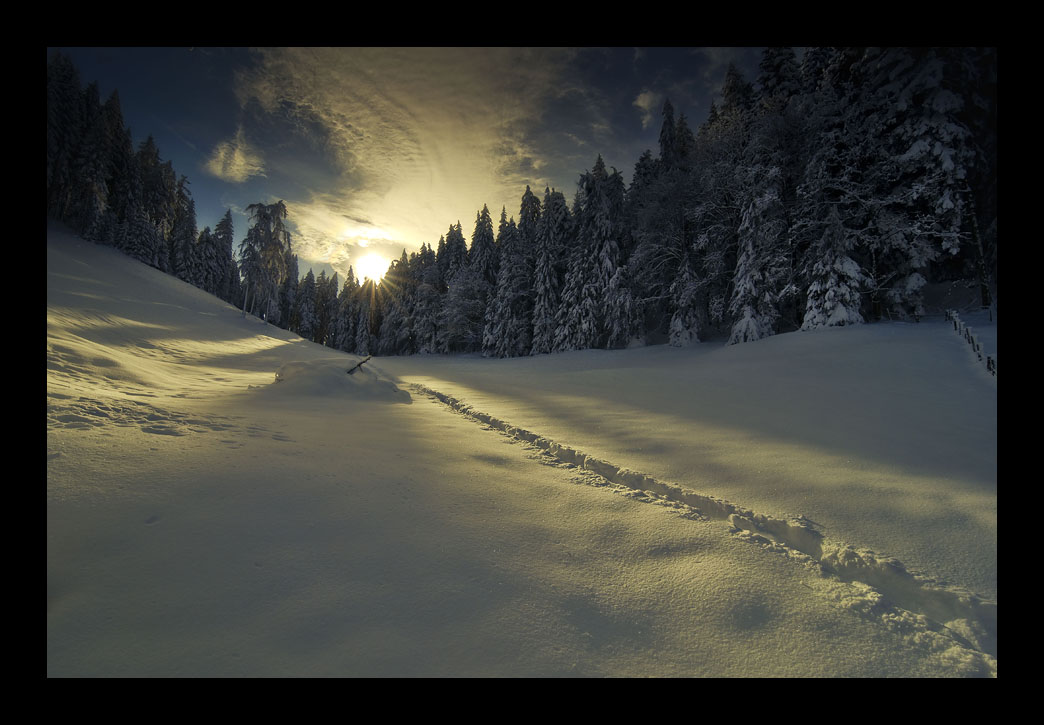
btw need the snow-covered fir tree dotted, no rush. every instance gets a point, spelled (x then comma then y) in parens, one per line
(288, 294)
(623, 314)
(552, 239)
(598, 228)
(463, 311)
(456, 252)
(345, 319)
(509, 318)
(484, 255)
(832, 191)
(426, 312)
(323, 297)
(266, 246)
(65, 131)
(206, 251)
(685, 324)
(834, 294)
(367, 318)
(183, 236)
(304, 307)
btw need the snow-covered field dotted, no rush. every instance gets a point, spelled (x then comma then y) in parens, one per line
(822, 504)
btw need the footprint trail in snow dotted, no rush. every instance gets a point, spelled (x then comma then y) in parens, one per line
(926, 613)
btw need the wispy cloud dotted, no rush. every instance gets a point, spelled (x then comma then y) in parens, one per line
(419, 137)
(648, 102)
(235, 160)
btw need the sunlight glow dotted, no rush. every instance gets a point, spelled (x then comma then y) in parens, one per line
(372, 265)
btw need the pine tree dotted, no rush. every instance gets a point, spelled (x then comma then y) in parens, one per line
(90, 169)
(759, 270)
(623, 316)
(426, 313)
(304, 307)
(367, 318)
(228, 271)
(509, 319)
(834, 295)
(322, 307)
(183, 236)
(551, 241)
(123, 181)
(780, 79)
(529, 223)
(567, 317)
(593, 260)
(266, 245)
(207, 252)
(483, 256)
(685, 325)
(66, 127)
(332, 286)
(463, 309)
(441, 266)
(456, 252)
(668, 137)
(288, 295)
(159, 198)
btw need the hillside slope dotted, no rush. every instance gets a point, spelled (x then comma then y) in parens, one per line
(206, 519)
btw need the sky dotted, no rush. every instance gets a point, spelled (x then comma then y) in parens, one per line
(377, 150)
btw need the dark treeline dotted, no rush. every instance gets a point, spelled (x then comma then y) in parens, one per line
(112, 193)
(826, 192)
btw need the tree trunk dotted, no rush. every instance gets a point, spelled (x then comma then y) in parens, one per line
(984, 278)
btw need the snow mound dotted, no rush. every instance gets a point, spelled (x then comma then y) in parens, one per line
(328, 377)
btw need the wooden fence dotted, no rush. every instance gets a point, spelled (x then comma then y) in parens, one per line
(966, 332)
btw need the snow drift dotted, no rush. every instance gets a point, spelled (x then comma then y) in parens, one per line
(206, 520)
(329, 378)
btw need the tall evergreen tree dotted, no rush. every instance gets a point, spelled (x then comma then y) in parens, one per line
(551, 241)
(288, 295)
(345, 320)
(304, 307)
(207, 252)
(483, 256)
(509, 319)
(90, 170)
(183, 236)
(594, 260)
(780, 79)
(228, 271)
(456, 252)
(66, 127)
(834, 294)
(623, 314)
(685, 323)
(266, 245)
(668, 137)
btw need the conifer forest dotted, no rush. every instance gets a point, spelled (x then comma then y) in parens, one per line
(826, 191)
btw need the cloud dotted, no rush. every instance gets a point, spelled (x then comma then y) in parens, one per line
(235, 160)
(419, 138)
(648, 102)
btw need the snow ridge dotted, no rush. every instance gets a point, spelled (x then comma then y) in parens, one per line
(926, 612)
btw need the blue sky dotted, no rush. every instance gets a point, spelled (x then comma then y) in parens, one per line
(381, 149)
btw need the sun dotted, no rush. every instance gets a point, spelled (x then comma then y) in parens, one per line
(373, 266)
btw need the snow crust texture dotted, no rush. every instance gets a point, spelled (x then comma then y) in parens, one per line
(224, 500)
(329, 378)
(942, 618)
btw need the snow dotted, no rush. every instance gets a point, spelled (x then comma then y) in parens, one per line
(223, 500)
